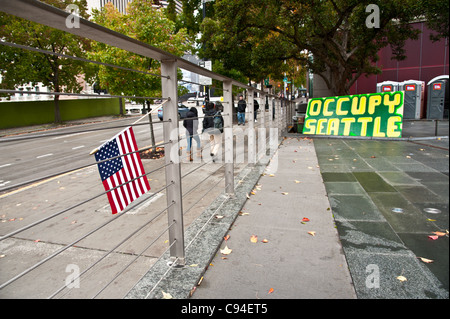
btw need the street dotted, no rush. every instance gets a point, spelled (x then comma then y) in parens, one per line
(81, 233)
(30, 159)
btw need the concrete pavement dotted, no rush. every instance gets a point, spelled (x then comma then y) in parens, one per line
(378, 195)
(299, 259)
(348, 189)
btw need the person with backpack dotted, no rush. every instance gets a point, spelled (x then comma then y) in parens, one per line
(242, 105)
(191, 125)
(213, 125)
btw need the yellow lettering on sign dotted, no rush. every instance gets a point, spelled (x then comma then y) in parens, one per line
(333, 127)
(339, 110)
(364, 121)
(347, 123)
(392, 104)
(310, 125)
(320, 126)
(359, 105)
(325, 107)
(392, 127)
(314, 107)
(377, 128)
(374, 101)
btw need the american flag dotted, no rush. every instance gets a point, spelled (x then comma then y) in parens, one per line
(118, 171)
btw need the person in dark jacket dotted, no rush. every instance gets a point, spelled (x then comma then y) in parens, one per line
(191, 125)
(242, 105)
(255, 108)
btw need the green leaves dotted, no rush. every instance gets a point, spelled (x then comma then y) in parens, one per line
(146, 24)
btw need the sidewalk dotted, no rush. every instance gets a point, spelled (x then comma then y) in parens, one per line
(300, 259)
(368, 199)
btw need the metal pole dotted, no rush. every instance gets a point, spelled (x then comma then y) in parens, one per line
(173, 171)
(251, 150)
(228, 129)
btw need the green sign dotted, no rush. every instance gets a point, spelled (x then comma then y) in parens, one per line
(377, 115)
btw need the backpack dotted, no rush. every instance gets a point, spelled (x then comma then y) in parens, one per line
(218, 122)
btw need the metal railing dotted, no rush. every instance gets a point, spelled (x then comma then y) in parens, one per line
(182, 177)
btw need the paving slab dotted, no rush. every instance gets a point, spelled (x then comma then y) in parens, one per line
(384, 224)
(294, 263)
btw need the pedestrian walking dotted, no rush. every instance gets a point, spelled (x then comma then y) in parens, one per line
(191, 125)
(255, 109)
(213, 125)
(242, 105)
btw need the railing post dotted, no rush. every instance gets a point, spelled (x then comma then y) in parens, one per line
(262, 142)
(228, 130)
(251, 150)
(173, 171)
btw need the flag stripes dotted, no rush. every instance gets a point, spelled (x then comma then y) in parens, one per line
(123, 178)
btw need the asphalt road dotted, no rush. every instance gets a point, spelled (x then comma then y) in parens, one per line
(63, 149)
(88, 231)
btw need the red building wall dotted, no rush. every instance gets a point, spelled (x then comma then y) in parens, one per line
(425, 60)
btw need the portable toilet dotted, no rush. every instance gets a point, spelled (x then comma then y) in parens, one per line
(387, 86)
(437, 100)
(414, 92)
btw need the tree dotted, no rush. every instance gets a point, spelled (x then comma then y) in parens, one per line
(331, 38)
(60, 74)
(146, 24)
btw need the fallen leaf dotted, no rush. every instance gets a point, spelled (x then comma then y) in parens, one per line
(248, 196)
(433, 237)
(253, 193)
(193, 265)
(37, 240)
(305, 219)
(284, 193)
(312, 233)
(226, 237)
(425, 260)
(431, 220)
(264, 240)
(297, 182)
(270, 291)
(243, 214)
(402, 278)
(226, 251)
(219, 216)
(254, 239)
(272, 175)
(439, 233)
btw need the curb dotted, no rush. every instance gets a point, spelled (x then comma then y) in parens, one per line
(203, 239)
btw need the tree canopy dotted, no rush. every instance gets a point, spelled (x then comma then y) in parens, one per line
(144, 23)
(19, 66)
(329, 37)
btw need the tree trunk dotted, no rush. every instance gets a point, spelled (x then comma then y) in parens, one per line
(57, 112)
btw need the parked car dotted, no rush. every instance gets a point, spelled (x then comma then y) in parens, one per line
(182, 111)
